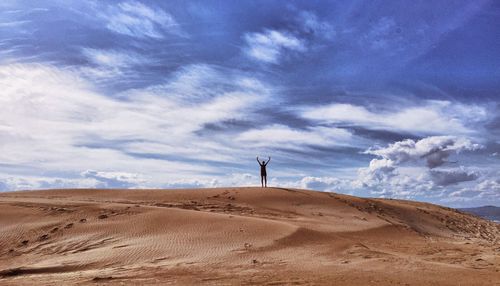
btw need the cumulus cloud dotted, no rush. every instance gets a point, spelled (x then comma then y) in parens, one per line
(434, 150)
(138, 20)
(434, 117)
(270, 45)
(398, 170)
(378, 171)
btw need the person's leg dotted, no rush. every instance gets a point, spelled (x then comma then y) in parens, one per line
(265, 180)
(262, 180)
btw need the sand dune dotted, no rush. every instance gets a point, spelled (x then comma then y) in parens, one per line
(239, 236)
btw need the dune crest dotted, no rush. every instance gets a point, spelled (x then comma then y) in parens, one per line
(239, 236)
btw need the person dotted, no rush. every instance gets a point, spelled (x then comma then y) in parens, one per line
(263, 173)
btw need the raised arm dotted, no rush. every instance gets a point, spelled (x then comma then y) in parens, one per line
(268, 160)
(258, 160)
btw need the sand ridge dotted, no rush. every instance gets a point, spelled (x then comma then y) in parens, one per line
(244, 236)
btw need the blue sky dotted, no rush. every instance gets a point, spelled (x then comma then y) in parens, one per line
(372, 98)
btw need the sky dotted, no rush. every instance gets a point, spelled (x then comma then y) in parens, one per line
(394, 99)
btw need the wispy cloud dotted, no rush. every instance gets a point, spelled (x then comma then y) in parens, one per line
(201, 82)
(270, 45)
(145, 93)
(311, 24)
(138, 20)
(113, 58)
(54, 120)
(433, 117)
(280, 136)
(111, 64)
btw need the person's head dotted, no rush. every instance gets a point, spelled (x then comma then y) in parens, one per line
(263, 161)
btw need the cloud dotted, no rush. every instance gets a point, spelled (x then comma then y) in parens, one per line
(330, 184)
(197, 83)
(311, 24)
(270, 45)
(283, 136)
(398, 171)
(446, 178)
(138, 20)
(378, 171)
(487, 192)
(28, 182)
(54, 121)
(113, 58)
(12, 24)
(490, 187)
(434, 150)
(111, 64)
(114, 179)
(231, 179)
(434, 117)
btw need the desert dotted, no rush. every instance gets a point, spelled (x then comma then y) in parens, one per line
(239, 236)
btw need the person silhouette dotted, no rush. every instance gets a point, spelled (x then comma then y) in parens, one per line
(263, 173)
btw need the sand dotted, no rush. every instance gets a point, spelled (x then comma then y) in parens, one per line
(239, 236)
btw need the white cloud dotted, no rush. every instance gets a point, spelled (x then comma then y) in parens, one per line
(398, 170)
(200, 82)
(435, 117)
(114, 179)
(283, 136)
(100, 179)
(487, 191)
(54, 121)
(330, 184)
(27, 182)
(270, 45)
(113, 58)
(434, 150)
(110, 64)
(138, 20)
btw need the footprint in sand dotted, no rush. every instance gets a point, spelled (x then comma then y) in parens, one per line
(43, 237)
(97, 279)
(69, 225)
